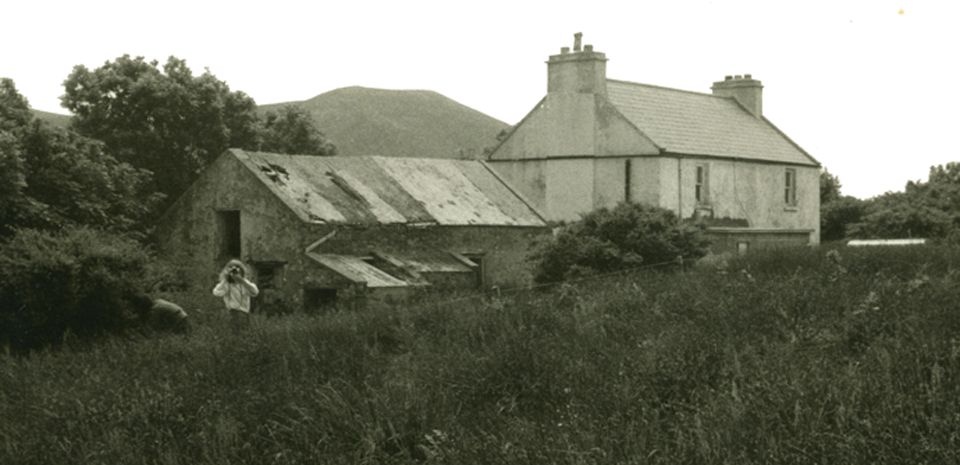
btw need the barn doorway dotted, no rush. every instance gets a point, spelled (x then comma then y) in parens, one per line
(228, 234)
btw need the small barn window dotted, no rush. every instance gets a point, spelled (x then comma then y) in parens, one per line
(790, 187)
(228, 233)
(743, 248)
(269, 274)
(319, 300)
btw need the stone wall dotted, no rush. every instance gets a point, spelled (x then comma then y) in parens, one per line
(272, 236)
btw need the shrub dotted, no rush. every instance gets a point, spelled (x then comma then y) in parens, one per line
(616, 239)
(76, 281)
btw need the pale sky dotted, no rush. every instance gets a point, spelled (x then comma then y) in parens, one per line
(869, 88)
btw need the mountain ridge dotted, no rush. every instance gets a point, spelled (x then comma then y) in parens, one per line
(400, 123)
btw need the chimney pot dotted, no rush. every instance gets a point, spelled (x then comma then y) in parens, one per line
(588, 48)
(574, 71)
(748, 92)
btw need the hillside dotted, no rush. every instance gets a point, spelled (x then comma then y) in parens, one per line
(55, 119)
(400, 123)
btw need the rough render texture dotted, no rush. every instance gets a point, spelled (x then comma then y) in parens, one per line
(270, 232)
(738, 190)
(568, 124)
(568, 156)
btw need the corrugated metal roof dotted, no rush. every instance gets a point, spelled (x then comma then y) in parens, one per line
(357, 270)
(437, 262)
(384, 190)
(686, 122)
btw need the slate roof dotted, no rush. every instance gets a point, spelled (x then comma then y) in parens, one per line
(385, 190)
(685, 122)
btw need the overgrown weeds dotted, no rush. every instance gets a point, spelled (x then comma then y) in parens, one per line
(803, 356)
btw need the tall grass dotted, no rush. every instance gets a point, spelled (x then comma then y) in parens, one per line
(794, 357)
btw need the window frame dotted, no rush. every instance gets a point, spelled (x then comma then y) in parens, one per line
(701, 184)
(790, 187)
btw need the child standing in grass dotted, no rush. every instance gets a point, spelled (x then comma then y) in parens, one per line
(236, 291)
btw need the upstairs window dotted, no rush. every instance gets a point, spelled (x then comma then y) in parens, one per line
(702, 189)
(790, 187)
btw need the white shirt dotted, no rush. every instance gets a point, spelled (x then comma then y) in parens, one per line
(236, 295)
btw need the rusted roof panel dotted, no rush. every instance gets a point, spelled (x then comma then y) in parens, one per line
(357, 270)
(384, 190)
(425, 262)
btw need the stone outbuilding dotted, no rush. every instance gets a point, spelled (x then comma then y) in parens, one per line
(593, 142)
(324, 232)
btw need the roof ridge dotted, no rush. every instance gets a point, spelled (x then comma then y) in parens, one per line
(703, 94)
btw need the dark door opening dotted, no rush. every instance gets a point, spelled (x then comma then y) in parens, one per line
(228, 225)
(319, 300)
(269, 280)
(478, 258)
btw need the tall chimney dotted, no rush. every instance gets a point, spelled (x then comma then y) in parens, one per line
(580, 71)
(744, 89)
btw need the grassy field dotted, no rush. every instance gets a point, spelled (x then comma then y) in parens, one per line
(806, 356)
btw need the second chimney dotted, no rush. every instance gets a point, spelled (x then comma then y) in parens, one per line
(744, 89)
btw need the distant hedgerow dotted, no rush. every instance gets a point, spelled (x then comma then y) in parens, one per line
(615, 239)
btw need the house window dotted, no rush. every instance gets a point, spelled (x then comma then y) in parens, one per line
(626, 180)
(790, 187)
(702, 193)
(228, 233)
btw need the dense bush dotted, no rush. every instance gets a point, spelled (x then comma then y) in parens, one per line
(76, 281)
(615, 239)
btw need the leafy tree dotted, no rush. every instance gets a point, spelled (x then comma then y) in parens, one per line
(897, 215)
(924, 209)
(12, 180)
(79, 184)
(837, 211)
(829, 187)
(169, 122)
(607, 240)
(291, 129)
(837, 215)
(14, 108)
(51, 177)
